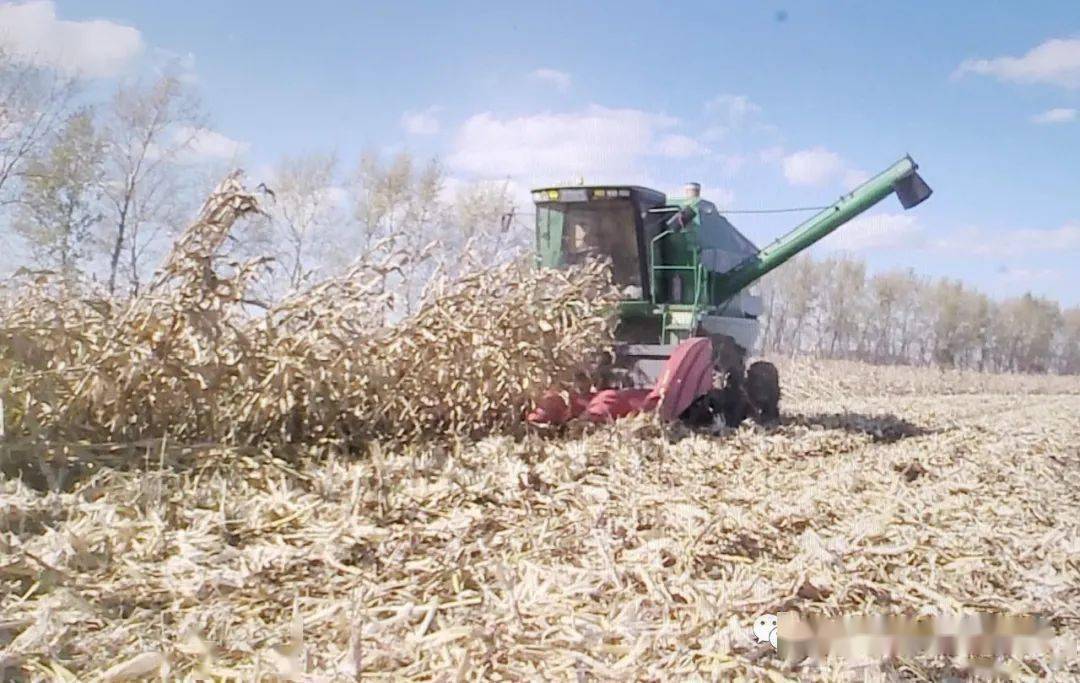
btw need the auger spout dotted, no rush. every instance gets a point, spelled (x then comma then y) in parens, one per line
(901, 178)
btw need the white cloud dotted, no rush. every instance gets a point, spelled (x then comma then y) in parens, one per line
(877, 231)
(723, 197)
(422, 122)
(1065, 238)
(451, 188)
(733, 109)
(816, 166)
(730, 164)
(456, 189)
(853, 177)
(262, 173)
(680, 147)
(1025, 276)
(1012, 242)
(1056, 115)
(771, 154)
(598, 144)
(903, 231)
(560, 79)
(204, 144)
(176, 64)
(94, 48)
(1054, 62)
(729, 113)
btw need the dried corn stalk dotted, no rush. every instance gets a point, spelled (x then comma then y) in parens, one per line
(188, 360)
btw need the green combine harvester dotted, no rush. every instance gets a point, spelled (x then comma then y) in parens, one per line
(684, 271)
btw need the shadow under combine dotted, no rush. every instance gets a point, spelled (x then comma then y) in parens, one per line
(882, 428)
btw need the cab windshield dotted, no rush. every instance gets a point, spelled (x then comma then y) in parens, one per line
(604, 229)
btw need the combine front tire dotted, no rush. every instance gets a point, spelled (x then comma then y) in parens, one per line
(763, 390)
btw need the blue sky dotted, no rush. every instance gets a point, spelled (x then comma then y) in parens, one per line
(765, 105)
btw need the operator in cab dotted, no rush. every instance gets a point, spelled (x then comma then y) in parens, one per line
(598, 238)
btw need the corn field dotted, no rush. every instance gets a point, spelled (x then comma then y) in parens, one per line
(198, 486)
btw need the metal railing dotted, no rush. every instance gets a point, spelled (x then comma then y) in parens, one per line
(696, 270)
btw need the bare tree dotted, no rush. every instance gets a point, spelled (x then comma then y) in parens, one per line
(59, 202)
(306, 206)
(380, 193)
(910, 316)
(1067, 343)
(33, 103)
(842, 305)
(797, 289)
(486, 225)
(888, 291)
(403, 206)
(1025, 333)
(147, 129)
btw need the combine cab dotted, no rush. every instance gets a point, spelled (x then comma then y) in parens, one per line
(684, 270)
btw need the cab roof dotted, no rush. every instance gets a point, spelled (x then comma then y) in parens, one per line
(647, 194)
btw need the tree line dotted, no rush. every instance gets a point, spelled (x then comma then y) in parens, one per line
(833, 307)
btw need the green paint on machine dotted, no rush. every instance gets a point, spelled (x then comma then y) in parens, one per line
(683, 268)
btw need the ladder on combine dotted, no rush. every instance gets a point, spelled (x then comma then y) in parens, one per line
(679, 320)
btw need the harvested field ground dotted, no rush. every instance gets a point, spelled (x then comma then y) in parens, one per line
(622, 553)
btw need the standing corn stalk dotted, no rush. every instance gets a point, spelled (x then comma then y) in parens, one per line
(186, 358)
